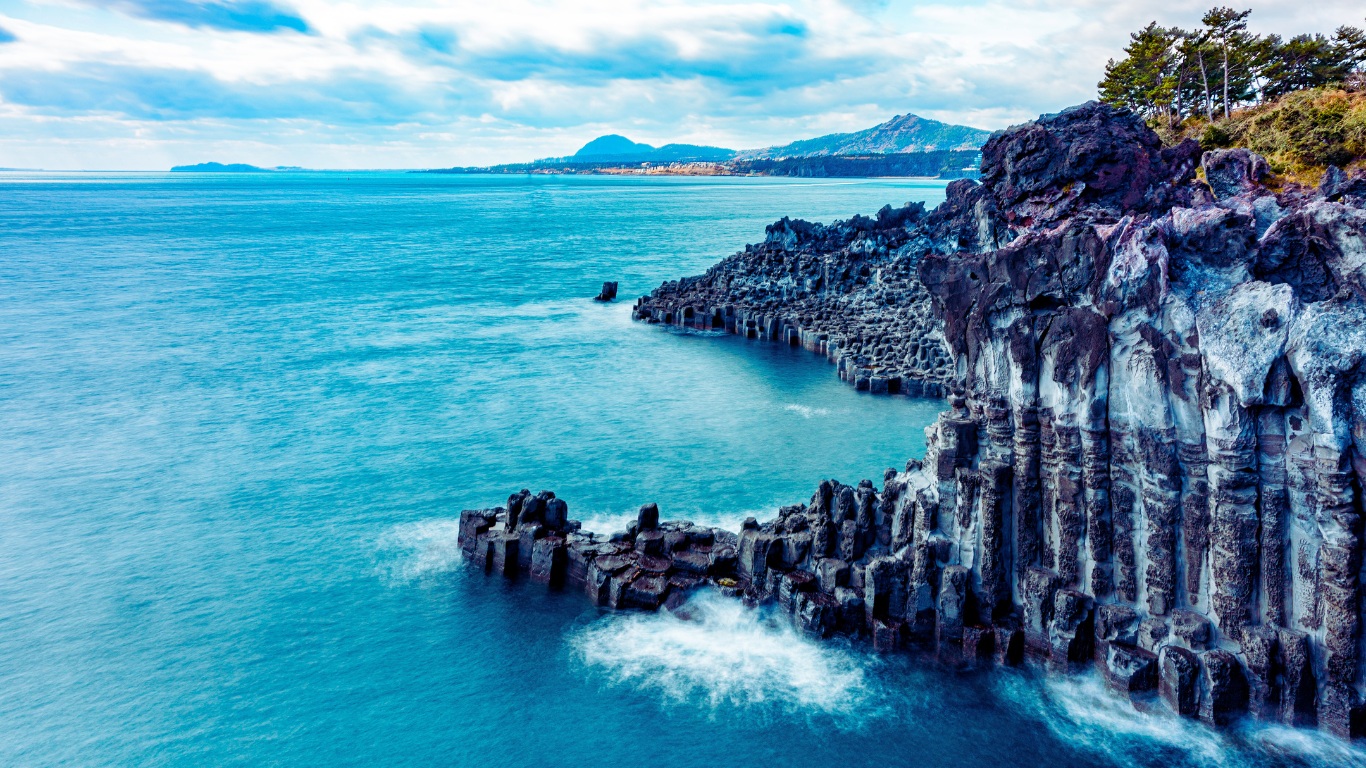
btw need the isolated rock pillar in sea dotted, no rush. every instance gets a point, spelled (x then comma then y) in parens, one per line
(608, 292)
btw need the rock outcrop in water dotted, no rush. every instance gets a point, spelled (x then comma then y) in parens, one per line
(608, 292)
(1155, 448)
(848, 291)
(642, 567)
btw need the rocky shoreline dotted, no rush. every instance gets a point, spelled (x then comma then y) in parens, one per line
(1154, 452)
(848, 292)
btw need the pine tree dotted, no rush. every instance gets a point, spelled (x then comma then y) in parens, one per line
(1171, 72)
(1304, 61)
(1198, 48)
(1351, 47)
(1142, 80)
(1183, 44)
(1227, 30)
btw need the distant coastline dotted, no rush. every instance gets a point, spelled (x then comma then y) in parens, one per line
(941, 164)
(905, 146)
(230, 168)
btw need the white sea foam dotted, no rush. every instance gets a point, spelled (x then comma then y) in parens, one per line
(604, 523)
(1300, 746)
(681, 330)
(415, 551)
(1082, 712)
(806, 411)
(717, 651)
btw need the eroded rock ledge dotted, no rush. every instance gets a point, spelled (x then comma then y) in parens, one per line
(848, 291)
(1155, 447)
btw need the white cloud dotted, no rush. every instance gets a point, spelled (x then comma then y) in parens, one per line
(149, 83)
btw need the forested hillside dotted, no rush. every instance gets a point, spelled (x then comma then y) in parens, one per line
(1298, 101)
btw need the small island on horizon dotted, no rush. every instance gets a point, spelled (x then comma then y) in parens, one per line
(230, 168)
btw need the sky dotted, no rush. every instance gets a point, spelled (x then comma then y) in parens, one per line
(146, 84)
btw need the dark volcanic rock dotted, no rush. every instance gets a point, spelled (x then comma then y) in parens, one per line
(1154, 451)
(848, 291)
(608, 292)
(1231, 172)
(1089, 156)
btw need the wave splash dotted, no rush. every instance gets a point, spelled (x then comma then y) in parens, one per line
(1279, 744)
(417, 551)
(1083, 713)
(717, 651)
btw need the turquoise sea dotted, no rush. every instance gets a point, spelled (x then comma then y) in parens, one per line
(240, 414)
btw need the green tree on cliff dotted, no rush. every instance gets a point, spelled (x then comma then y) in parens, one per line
(1142, 80)
(1172, 73)
(1226, 30)
(1198, 48)
(1303, 61)
(1351, 47)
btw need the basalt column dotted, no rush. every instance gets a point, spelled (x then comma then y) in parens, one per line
(1154, 447)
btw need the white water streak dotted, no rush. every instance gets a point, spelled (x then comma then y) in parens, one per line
(421, 550)
(806, 411)
(1082, 712)
(718, 651)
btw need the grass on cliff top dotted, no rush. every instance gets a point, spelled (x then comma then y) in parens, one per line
(1300, 134)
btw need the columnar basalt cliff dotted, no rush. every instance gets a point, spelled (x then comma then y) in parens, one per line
(848, 291)
(1154, 452)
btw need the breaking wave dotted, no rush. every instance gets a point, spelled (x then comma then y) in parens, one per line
(417, 551)
(682, 330)
(1279, 744)
(715, 651)
(605, 523)
(1083, 713)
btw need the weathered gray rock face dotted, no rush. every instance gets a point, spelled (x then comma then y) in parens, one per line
(1155, 447)
(1176, 389)
(848, 291)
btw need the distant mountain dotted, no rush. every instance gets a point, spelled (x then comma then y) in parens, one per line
(612, 145)
(932, 148)
(219, 168)
(903, 133)
(619, 149)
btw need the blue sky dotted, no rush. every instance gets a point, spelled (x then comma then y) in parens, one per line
(145, 84)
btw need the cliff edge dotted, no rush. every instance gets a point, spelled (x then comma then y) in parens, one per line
(1154, 452)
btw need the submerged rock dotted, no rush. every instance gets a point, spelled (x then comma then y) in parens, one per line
(1154, 451)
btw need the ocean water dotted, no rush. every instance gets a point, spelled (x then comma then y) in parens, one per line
(239, 416)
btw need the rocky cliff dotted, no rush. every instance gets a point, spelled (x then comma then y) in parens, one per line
(849, 291)
(1154, 451)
